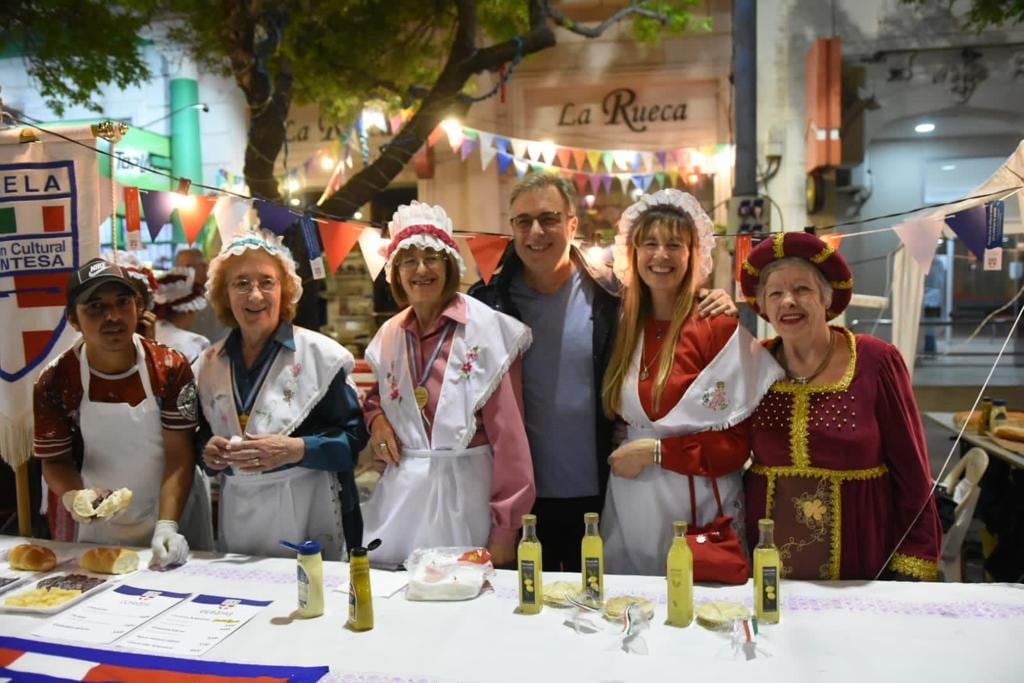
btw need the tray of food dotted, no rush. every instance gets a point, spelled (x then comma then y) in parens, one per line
(53, 593)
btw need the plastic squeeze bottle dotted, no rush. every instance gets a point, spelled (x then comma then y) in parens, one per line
(310, 578)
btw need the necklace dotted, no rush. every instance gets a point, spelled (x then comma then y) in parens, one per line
(645, 368)
(817, 371)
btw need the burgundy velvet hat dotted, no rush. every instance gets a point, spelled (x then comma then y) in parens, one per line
(808, 247)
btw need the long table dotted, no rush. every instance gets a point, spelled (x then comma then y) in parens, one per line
(829, 631)
(972, 437)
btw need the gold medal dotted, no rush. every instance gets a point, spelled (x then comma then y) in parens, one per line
(421, 397)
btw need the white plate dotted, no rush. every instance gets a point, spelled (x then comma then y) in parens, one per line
(108, 581)
(10, 582)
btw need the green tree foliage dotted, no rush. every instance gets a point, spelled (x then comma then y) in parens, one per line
(338, 54)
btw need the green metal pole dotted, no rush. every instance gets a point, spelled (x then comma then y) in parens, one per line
(186, 150)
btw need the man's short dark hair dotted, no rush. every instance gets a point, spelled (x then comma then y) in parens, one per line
(538, 181)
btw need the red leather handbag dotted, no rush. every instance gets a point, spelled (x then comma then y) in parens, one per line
(718, 556)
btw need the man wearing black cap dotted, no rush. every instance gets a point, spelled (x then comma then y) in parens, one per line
(133, 403)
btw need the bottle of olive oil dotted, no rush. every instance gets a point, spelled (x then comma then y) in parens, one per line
(531, 580)
(767, 571)
(592, 560)
(680, 578)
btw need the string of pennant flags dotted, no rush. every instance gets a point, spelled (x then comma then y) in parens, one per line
(980, 227)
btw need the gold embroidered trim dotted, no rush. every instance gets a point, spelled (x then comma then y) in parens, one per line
(842, 284)
(917, 567)
(837, 476)
(779, 246)
(751, 268)
(823, 255)
(837, 530)
(769, 494)
(752, 300)
(786, 387)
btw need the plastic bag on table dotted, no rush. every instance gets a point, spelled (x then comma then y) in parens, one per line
(447, 573)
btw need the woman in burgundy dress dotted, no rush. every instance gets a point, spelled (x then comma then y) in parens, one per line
(840, 461)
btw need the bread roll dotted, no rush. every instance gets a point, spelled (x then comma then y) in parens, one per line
(96, 503)
(36, 558)
(1008, 432)
(109, 560)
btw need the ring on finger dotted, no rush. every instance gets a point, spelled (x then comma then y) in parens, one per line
(255, 462)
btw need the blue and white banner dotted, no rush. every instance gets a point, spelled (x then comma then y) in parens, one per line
(50, 197)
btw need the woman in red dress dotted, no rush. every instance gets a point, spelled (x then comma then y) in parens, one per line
(840, 461)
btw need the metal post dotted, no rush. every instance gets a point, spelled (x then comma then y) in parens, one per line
(744, 28)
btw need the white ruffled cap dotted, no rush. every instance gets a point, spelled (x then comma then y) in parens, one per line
(244, 240)
(420, 214)
(176, 289)
(675, 199)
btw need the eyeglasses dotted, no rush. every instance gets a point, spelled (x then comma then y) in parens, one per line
(431, 261)
(549, 220)
(244, 286)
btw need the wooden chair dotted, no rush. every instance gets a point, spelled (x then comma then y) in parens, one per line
(963, 483)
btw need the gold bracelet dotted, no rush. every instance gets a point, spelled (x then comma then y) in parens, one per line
(657, 452)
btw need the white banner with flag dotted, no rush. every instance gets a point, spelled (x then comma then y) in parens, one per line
(49, 225)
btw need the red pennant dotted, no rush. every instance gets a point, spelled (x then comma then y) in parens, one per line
(581, 183)
(564, 154)
(435, 135)
(744, 243)
(132, 217)
(338, 238)
(193, 216)
(487, 251)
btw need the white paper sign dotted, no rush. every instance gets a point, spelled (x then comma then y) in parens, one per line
(109, 615)
(994, 259)
(194, 627)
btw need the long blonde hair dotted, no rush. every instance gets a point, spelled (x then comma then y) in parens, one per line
(636, 306)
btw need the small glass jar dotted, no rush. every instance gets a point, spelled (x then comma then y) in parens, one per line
(986, 415)
(999, 415)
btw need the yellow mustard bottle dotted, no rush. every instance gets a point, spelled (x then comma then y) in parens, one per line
(592, 560)
(360, 600)
(679, 574)
(767, 572)
(531, 579)
(310, 578)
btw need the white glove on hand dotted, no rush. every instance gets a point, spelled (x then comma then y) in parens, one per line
(68, 500)
(169, 547)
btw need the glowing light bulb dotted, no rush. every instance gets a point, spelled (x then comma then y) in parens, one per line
(294, 185)
(327, 162)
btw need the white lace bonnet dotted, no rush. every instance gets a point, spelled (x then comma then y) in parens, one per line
(423, 226)
(678, 200)
(176, 290)
(255, 239)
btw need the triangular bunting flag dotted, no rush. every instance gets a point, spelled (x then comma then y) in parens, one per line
(501, 143)
(564, 155)
(487, 251)
(373, 245)
(518, 147)
(533, 148)
(594, 158)
(486, 140)
(548, 153)
(634, 163)
(194, 214)
(274, 217)
(661, 156)
(579, 156)
(487, 153)
(581, 183)
(228, 212)
(608, 159)
(606, 183)
(647, 161)
(156, 208)
(595, 183)
(970, 226)
(338, 237)
(455, 138)
(468, 147)
(673, 178)
(538, 168)
(522, 166)
(504, 159)
(921, 239)
(659, 177)
(623, 179)
(435, 136)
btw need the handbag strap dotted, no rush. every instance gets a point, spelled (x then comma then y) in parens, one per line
(714, 488)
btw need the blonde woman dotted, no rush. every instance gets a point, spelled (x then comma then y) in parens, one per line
(684, 384)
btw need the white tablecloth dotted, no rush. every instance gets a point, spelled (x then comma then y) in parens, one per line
(843, 631)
